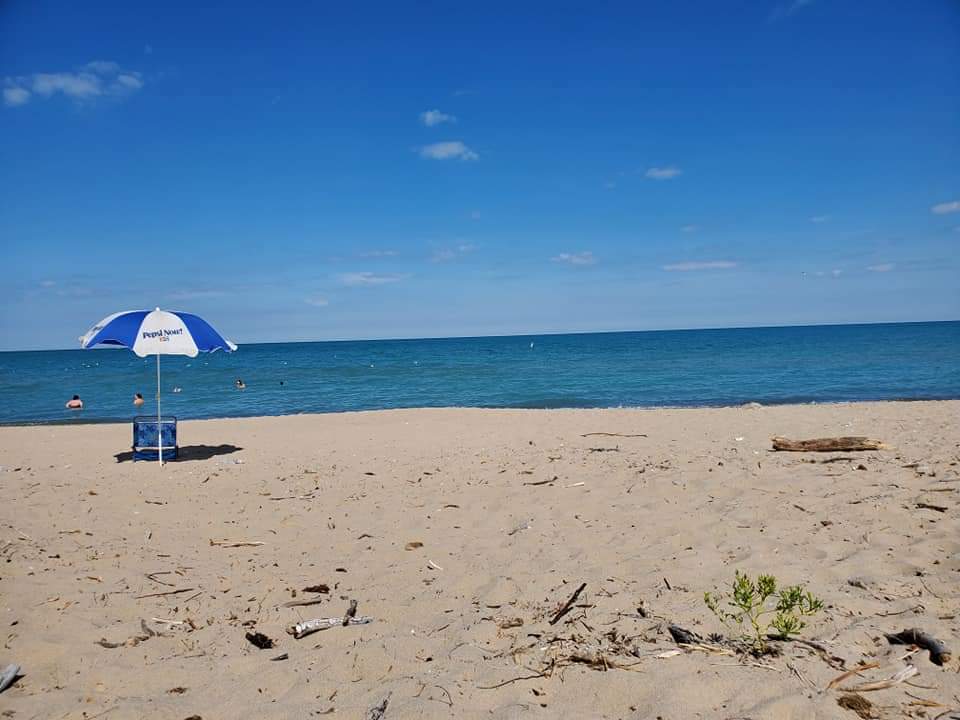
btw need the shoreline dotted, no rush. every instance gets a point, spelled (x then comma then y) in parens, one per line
(67, 422)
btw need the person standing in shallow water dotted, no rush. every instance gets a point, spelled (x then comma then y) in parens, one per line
(138, 400)
(75, 403)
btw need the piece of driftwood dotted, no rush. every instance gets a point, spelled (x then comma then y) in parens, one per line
(567, 605)
(939, 653)
(321, 588)
(8, 676)
(302, 629)
(837, 444)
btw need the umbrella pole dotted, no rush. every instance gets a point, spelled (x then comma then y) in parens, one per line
(159, 428)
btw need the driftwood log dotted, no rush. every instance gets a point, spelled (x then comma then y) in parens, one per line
(838, 444)
(939, 653)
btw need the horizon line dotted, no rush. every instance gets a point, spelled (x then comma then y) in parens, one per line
(547, 333)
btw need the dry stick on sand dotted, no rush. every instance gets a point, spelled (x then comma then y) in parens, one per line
(838, 444)
(350, 613)
(905, 674)
(161, 594)
(609, 434)
(568, 604)
(236, 543)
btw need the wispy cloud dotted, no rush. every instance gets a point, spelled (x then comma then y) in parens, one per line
(705, 265)
(195, 294)
(881, 268)
(48, 283)
(820, 219)
(448, 254)
(664, 173)
(450, 150)
(379, 253)
(97, 79)
(690, 228)
(786, 9)
(316, 301)
(432, 118)
(580, 259)
(946, 207)
(475, 215)
(369, 279)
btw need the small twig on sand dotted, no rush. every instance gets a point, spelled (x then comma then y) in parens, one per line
(152, 576)
(609, 434)
(568, 604)
(161, 594)
(350, 613)
(236, 543)
(905, 674)
(512, 680)
(307, 601)
(850, 673)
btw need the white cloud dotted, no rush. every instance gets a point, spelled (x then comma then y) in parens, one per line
(379, 253)
(820, 219)
(316, 301)
(881, 268)
(100, 78)
(475, 215)
(450, 150)
(448, 254)
(836, 273)
(664, 173)
(706, 265)
(581, 258)
(369, 279)
(946, 207)
(432, 118)
(690, 228)
(14, 96)
(47, 283)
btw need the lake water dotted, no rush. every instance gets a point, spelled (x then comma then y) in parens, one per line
(664, 368)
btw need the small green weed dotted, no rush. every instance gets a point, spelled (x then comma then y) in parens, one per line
(751, 605)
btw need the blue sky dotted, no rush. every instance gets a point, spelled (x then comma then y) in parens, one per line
(299, 171)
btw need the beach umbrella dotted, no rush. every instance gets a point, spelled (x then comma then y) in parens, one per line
(157, 333)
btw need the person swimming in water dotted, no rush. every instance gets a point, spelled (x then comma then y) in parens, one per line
(240, 385)
(138, 399)
(75, 403)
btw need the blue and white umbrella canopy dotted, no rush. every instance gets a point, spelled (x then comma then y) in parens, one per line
(157, 332)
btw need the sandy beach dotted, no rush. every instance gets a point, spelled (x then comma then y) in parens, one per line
(461, 533)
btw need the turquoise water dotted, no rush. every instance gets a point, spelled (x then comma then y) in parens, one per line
(676, 368)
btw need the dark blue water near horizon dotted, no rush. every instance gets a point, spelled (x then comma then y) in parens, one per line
(828, 363)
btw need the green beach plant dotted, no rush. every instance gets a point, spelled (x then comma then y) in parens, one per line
(751, 603)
